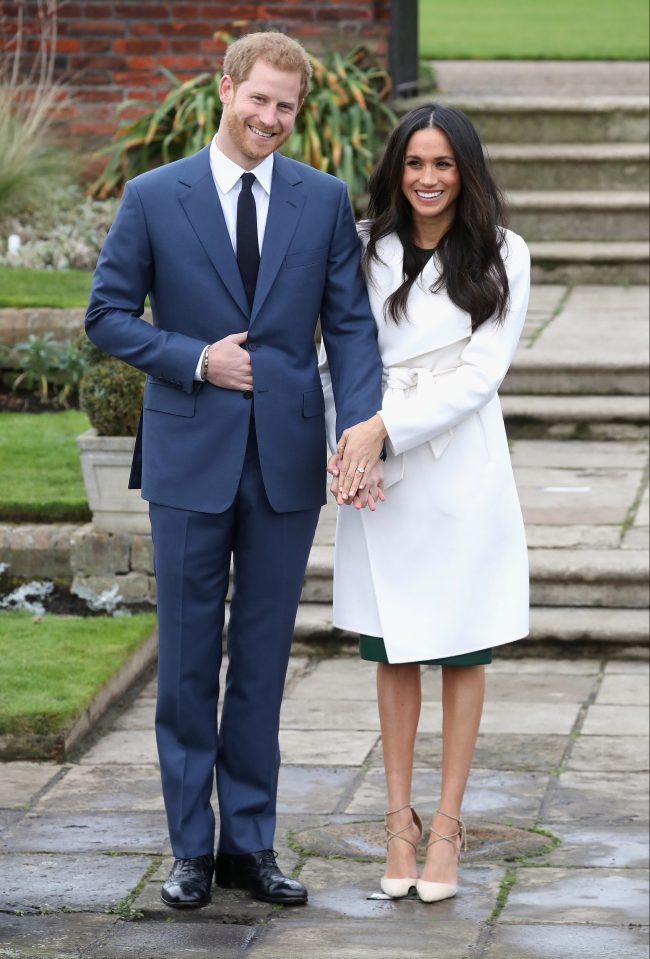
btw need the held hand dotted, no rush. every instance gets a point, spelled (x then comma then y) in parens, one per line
(229, 366)
(359, 449)
(373, 491)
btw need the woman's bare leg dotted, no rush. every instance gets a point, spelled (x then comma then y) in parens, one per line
(463, 692)
(399, 695)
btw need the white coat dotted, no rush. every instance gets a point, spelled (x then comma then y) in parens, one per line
(441, 567)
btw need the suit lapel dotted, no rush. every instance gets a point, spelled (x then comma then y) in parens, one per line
(285, 207)
(203, 210)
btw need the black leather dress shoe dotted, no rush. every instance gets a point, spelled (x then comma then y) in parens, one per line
(259, 873)
(188, 883)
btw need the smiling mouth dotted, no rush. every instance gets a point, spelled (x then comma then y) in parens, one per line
(432, 195)
(261, 133)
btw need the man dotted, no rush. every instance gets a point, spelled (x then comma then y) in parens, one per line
(240, 251)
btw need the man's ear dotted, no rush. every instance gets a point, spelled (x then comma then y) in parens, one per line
(226, 88)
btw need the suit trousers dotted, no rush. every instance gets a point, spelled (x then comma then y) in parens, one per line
(192, 554)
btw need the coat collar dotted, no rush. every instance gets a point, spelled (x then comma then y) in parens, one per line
(200, 201)
(433, 321)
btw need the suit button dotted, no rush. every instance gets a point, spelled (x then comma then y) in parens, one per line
(252, 347)
(248, 394)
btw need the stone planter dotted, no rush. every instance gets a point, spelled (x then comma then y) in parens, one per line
(105, 464)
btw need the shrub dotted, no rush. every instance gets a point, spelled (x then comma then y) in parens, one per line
(111, 395)
(338, 129)
(43, 363)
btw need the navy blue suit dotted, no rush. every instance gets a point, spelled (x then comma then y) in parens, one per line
(229, 473)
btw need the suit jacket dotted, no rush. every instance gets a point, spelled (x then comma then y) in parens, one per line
(169, 240)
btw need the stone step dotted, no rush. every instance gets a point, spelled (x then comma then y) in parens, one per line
(611, 263)
(569, 624)
(611, 578)
(570, 166)
(530, 119)
(544, 372)
(576, 417)
(550, 215)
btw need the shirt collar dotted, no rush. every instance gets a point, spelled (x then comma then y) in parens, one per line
(227, 173)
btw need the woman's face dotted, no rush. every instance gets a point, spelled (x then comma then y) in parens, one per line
(431, 181)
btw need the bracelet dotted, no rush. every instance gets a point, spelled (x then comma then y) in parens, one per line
(204, 363)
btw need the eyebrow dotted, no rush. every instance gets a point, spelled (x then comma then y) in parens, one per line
(415, 156)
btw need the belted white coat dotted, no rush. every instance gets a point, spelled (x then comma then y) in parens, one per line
(441, 567)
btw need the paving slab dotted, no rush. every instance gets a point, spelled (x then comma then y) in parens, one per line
(572, 537)
(637, 537)
(599, 896)
(537, 688)
(617, 667)
(534, 717)
(82, 881)
(500, 796)
(590, 496)
(339, 889)
(642, 517)
(578, 454)
(141, 715)
(493, 751)
(360, 939)
(226, 906)
(626, 689)
(313, 789)
(562, 665)
(51, 937)
(20, 782)
(316, 714)
(161, 940)
(599, 797)
(136, 747)
(105, 787)
(344, 678)
(88, 832)
(610, 754)
(616, 720)
(541, 941)
(585, 844)
(325, 747)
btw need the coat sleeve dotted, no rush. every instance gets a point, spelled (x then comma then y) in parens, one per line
(328, 393)
(484, 364)
(123, 278)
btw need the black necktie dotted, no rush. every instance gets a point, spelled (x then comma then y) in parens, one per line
(248, 253)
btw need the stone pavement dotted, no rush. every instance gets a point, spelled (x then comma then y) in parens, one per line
(563, 751)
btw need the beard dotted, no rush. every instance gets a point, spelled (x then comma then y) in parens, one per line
(246, 142)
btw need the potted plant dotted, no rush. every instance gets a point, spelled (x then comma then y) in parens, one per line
(110, 393)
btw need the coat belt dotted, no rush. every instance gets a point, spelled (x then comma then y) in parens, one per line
(400, 379)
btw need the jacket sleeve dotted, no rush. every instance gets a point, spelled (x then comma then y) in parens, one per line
(348, 327)
(123, 278)
(485, 360)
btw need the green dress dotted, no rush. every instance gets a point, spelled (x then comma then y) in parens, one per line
(372, 648)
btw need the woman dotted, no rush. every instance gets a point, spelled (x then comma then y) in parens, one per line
(438, 573)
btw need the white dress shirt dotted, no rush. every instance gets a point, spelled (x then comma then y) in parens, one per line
(227, 179)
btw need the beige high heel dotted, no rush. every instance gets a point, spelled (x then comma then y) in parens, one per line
(398, 888)
(436, 891)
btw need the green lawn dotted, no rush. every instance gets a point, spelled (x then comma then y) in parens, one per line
(20, 286)
(40, 474)
(534, 29)
(51, 670)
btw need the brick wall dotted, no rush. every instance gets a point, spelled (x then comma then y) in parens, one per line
(111, 51)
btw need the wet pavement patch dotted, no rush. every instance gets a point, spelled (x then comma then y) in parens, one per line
(365, 841)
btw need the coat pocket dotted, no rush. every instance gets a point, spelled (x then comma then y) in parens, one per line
(166, 399)
(313, 403)
(307, 258)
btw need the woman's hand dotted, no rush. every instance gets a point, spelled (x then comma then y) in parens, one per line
(358, 450)
(370, 495)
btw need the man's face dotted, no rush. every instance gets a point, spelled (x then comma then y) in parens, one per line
(258, 113)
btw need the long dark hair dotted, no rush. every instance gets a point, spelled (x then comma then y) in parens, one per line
(471, 266)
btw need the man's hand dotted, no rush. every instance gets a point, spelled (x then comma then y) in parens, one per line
(228, 365)
(359, 449)
(370, 495)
